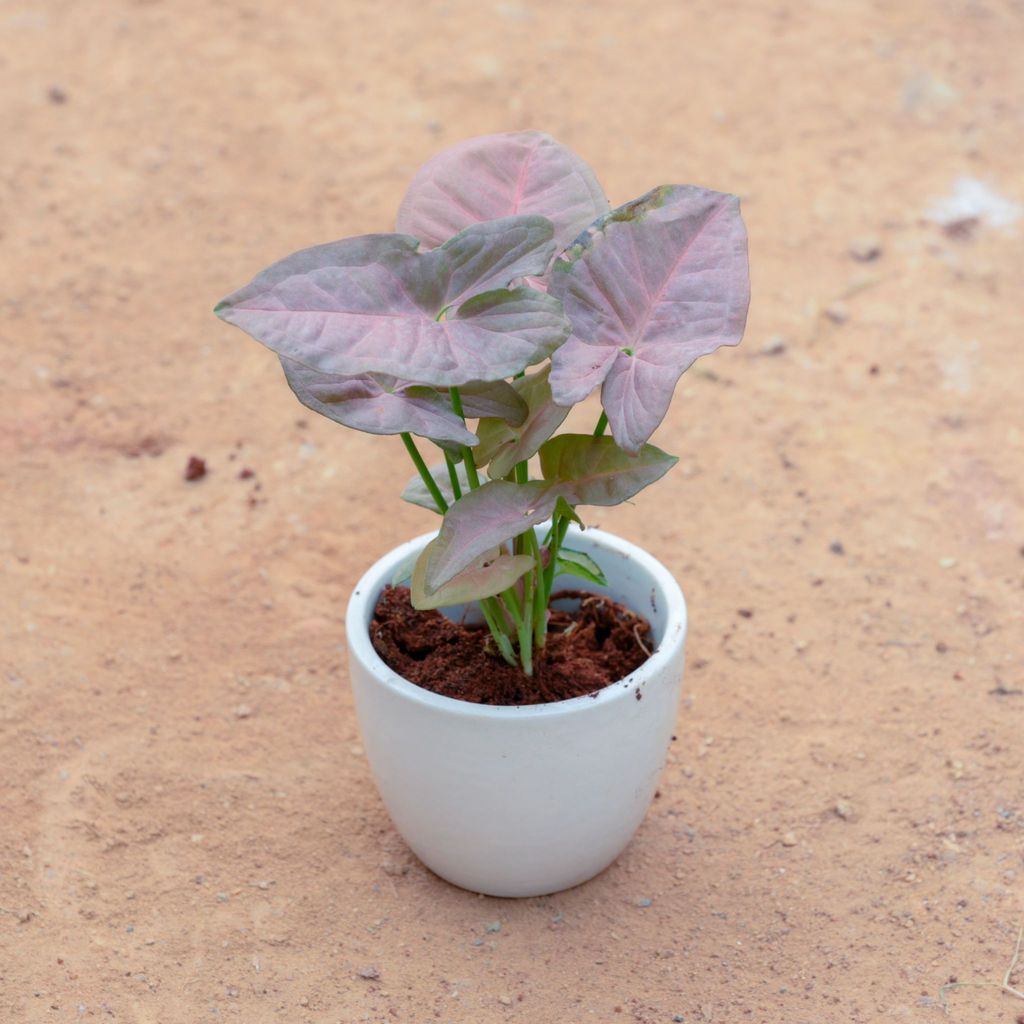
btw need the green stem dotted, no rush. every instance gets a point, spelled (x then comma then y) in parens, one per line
(453, 476)
(601, 424)
(503, 642)
(467, 452)
(522, 473)
(540, 604)
(558, 532)
(526, 627)
(428, 480)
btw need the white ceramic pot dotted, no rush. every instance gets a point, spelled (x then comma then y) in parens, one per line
(523, 801)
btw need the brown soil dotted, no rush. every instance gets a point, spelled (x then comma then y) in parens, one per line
(586, 649)
(189, 832)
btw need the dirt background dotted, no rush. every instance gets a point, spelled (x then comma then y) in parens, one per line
(188, 829)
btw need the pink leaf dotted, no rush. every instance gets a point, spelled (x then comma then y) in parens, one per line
(377, 404)
(653, 286)
(499, 176)
(377, 305)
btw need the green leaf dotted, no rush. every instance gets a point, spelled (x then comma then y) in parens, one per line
(483, 519)
(579, 563)
(493, 399)
(503, 444)
(403, 573)
(580, 469)
(596, 471)
(489, 574)
(566, 511)
(416, 492)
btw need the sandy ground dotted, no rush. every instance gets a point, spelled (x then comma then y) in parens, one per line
(188, 830)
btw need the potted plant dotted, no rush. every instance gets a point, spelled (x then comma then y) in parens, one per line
(510, 293)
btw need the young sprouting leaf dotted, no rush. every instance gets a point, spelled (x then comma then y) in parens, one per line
(483, 519)
(565, 511)
(495, 399)
(377, 404)
(376, 305)
(503, 445)
(650, 288)
(498, 176)
(416, 492)
(592, 470)
(489, 574)
(578, 563)
(403, 571)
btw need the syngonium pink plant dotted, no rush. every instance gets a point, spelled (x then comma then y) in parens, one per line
(509, 258)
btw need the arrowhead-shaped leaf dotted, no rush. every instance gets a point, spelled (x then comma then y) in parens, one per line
(650, 288)
(578, 468)
(377, 404)
(503, 445)
(591, 470)
(375, 305)
(483, 519)
(490, 574)
(416, 492)
(495, 399)
(578, 563)
(499, 176)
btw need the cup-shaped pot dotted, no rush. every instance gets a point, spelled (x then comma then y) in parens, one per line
(523, 801)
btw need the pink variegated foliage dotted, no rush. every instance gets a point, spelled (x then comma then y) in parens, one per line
(510, 294)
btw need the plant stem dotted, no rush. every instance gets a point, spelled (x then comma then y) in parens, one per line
(503, 642)
(540, 604)
(526, 626)
(494, 611)
(428, 480)
(558, 531)
(601, 424)
(453, 475)
(467, 452)
(522, 473)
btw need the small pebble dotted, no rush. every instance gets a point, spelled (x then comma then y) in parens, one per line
(645, 902)
(505, 1000)
(865, 249)
(56, 95)
(836, 547)
(243, 711)
(774, 346)
(494, 926)
(789, 839)
(370, 973)
(947, 563)
(195, 469)
(837, 313)
(844, 809)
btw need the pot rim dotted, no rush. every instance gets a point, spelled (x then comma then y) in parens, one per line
(369, 586)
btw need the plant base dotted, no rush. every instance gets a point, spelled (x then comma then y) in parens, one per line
(592, 641)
